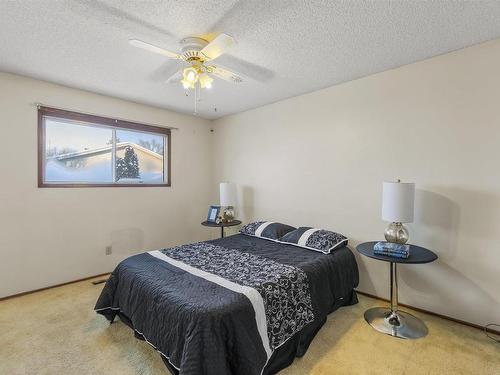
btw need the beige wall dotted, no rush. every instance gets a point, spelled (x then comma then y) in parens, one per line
(50, 236)
(320, 160)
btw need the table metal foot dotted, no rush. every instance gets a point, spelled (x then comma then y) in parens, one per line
(398, 323)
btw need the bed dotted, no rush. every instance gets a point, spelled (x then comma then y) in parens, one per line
(236, 305)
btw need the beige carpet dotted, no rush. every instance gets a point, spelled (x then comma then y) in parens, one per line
(56, 332)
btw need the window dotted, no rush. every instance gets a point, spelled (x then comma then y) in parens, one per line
(80, 150)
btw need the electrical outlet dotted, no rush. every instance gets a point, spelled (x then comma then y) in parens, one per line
(109, 250)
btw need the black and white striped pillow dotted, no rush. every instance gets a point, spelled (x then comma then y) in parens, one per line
(266, 229)
(315, 239)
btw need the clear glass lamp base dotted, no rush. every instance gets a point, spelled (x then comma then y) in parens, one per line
(396, 323)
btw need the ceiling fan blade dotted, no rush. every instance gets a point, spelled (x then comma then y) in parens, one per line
(218, 46)
(225, 74)
(175, 78)
(168, 68)
(149, 47)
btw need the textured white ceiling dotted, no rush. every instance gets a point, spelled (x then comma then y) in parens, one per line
(285, 47)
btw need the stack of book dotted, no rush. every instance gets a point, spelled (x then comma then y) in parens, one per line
(392, 249)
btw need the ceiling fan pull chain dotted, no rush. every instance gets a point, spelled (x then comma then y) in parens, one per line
(195, 101)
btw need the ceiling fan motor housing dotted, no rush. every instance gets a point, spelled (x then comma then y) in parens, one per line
(191, 48)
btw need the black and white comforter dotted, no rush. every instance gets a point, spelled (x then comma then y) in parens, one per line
(239, 305)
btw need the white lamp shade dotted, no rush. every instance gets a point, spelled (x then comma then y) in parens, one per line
(398, 201)
(227, 194)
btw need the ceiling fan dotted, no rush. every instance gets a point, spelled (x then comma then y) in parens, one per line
(198, 54)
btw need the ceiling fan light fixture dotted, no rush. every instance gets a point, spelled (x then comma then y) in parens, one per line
(187, 84)
(205, 81)
(190, 75)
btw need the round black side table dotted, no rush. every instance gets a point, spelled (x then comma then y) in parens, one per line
(221, 225)
(392, 321)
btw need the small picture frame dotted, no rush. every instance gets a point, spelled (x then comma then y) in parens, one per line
(213, 214)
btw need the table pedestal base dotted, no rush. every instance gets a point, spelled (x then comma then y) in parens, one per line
(396, 323)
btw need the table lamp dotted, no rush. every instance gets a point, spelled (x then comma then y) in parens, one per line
(397, 207)
(227, 201)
